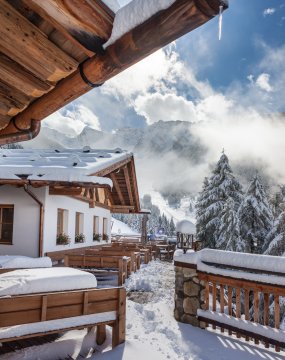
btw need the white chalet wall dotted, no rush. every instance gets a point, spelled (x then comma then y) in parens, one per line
(26, 220)
(54, 202)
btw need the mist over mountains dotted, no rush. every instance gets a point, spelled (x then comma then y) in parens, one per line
(171, 162)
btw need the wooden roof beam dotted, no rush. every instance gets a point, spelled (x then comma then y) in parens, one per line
(87, 24)
(117, 188)
(128, 183)
(161, 29)
(28, 46)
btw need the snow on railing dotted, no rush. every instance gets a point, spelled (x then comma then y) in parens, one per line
(244, 293)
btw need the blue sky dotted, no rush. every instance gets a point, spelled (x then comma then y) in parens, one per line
(230, 91)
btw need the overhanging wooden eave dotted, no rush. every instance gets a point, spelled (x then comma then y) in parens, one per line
(164, 27)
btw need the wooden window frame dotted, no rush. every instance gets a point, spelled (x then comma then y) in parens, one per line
(6, 206)
(60, 215)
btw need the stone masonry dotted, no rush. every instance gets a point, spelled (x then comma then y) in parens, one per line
(189, 296)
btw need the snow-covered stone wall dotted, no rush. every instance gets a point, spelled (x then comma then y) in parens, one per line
(189, 296)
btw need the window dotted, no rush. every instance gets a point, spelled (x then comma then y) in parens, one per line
(96, 225)
(61, 232)
(6, 224)
(79, 236)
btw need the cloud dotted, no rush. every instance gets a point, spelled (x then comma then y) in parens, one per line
(263, 82)
(72, 119)
(269, 11)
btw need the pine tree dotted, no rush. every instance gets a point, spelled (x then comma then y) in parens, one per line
(230, 229)
(275, 240)
(255, 217)
(172, 228)
(210, 204)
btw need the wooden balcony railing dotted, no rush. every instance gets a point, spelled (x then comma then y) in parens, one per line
(249, 302)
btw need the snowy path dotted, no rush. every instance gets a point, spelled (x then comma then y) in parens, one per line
(152, 332)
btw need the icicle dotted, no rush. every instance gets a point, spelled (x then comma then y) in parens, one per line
(220, 21)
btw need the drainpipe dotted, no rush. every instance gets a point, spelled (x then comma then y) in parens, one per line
(21, 135)
(41, 225)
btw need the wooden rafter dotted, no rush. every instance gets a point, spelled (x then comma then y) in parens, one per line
(128, 183)
(87, 28)
(26, 44)
(117, 188)
(162, 28)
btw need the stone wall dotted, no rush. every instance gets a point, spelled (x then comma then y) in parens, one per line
(189, 296)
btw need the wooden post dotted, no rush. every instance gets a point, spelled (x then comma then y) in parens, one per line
(144, 228)
(119, 329)
(101, 334)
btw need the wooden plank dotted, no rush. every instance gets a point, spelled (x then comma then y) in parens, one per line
(100, 334)
(86, 23)
(128, 183)
(214, 296)
(266, 313)
(134, 177)
(17, 77)
(4, 121)
(243, 283)
(161, 29)
(276, 316)
(119, 328)
(24, 42)
(230, 299)
(117, 188)
(256, 310)
(238, 307)
(44, 308)
(222, 302)
(10, 106)
(13, 94)
(246, 307)
(85, 303)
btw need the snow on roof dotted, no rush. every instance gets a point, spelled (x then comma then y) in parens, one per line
(120, 228)
(112, 4)
(133, 14)
(186, 227)
(59, 165)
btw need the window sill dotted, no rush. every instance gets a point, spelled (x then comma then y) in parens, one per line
(4, 243)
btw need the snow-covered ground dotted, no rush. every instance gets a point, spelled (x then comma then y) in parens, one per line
(152, 332)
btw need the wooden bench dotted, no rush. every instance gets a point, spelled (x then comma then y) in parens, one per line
(145, 253)
(109, 251)
(59, 255)
(92, 263)
(32, 315)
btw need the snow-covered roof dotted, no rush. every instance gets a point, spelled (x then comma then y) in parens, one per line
(59, 165)
(112, 4)
(133, 14)
(186, 227)
(120, 228)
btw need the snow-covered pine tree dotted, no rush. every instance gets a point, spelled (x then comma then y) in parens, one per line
(172, 227)
(275, 240)
(221, 186)
(255, 217)
(230, 229)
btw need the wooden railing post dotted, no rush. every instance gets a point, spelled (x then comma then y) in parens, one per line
(119, 328)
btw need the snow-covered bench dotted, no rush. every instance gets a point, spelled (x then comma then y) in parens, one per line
(100, 265)
(36, 302)
(12, 262)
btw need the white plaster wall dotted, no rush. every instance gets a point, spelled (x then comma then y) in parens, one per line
(26, 220)
(54, 202)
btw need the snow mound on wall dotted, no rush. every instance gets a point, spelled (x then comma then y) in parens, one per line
(23, 262)
(186, 227)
